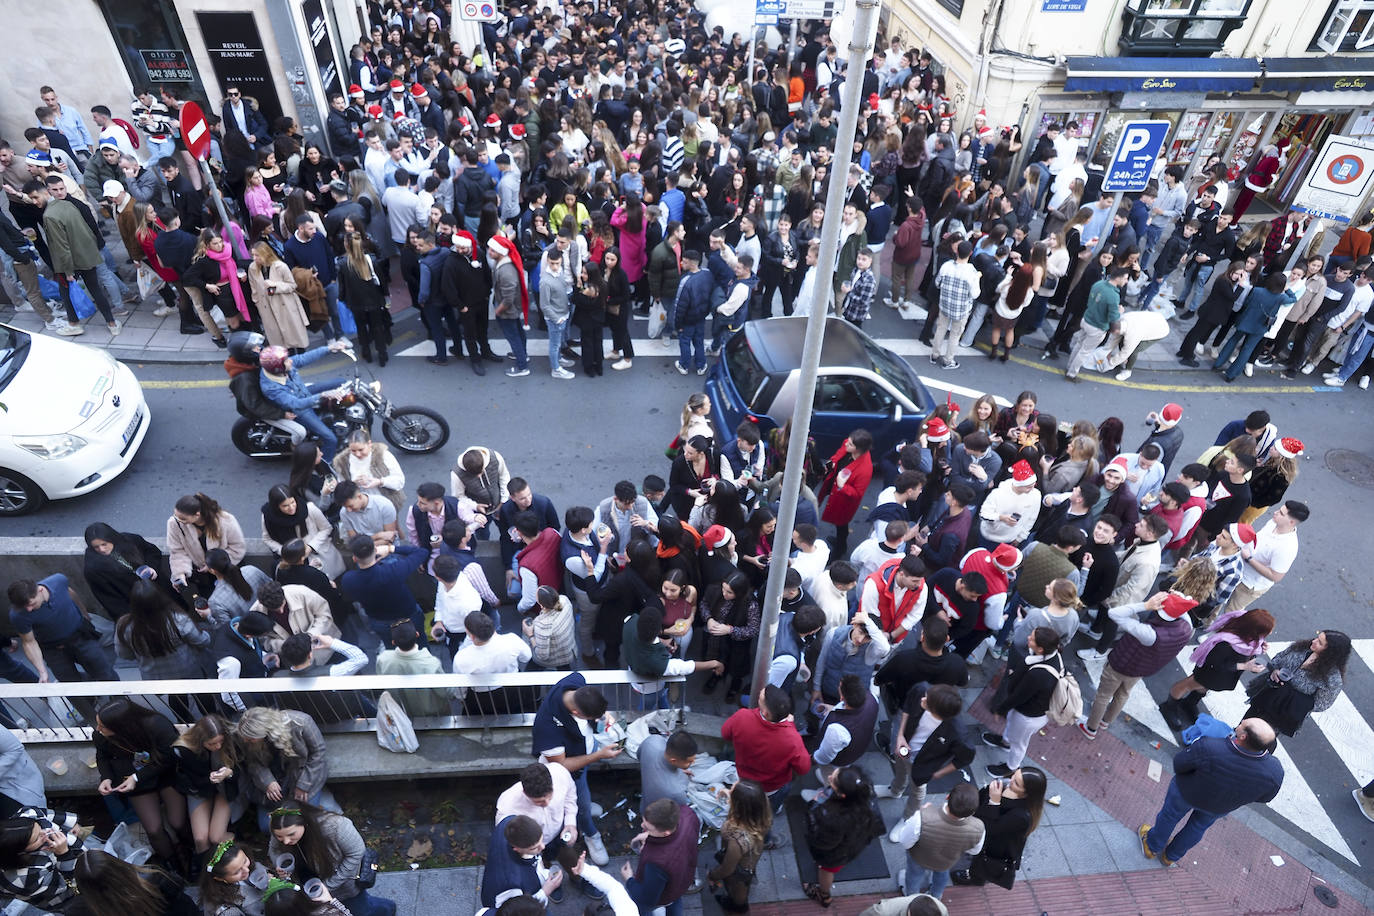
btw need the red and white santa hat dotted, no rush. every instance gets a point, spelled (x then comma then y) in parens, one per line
(1006, 557)
(493, 120)
(716, 537)
(517, 131)
(397, 86)
(1117, 464)
(1242, 534)
(1169, 415)
(937, 430)
(1176, 605)
(374, 111)
(355, 89)
(1289, 447)
(1022, 473)
(418, 91)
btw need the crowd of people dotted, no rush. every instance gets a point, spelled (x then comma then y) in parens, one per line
(996, 539)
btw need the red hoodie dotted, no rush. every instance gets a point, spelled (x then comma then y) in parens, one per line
(770, 753)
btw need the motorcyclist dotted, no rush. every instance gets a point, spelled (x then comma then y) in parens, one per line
(282, 385)
(242, 367)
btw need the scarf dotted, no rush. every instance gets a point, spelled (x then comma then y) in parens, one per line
(281, 527)
(1248, 649)
(229, 273)
(664, 552)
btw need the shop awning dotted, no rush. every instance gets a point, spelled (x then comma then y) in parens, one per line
(1322, 74)
(1161, 74)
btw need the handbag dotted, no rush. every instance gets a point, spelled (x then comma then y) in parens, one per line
(367, 871)
(1000, 872)
(1281, 705)
(148, 281)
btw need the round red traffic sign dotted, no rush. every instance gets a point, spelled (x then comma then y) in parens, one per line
(195, 132)
(1345, 169)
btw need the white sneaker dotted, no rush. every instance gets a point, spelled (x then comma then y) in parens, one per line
(1091, 655)
(1364, 381)
(115, 328)
(23, 307)
(894, 836)
(596, 850)
(701, 371)
(1334, 381)
(560, 372)
(1211, 352)
(71, 330)
(597, 810)
(681, 370)
(1308, 369)
(1123, 375)
(1249, 370)
(566, 363)
(162, 311)
(886, 792)
(621, 364)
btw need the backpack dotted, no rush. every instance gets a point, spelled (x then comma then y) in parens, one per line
(1066, 703)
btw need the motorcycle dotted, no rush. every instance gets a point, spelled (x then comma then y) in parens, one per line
(409, 429)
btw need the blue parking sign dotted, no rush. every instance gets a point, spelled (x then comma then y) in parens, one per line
(1136, 151)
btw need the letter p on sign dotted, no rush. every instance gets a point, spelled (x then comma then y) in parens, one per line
(1134, 158)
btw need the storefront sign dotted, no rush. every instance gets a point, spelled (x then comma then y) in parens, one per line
(317, 27)
(166, 66)
(236, 54)
(766, 12)
(1134, 157)
(1063, 6)
(1339, 181)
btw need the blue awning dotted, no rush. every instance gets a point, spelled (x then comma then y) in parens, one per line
(1326, 74)
(1161, 74)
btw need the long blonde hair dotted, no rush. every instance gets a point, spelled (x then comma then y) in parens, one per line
(357, 258)
(260, 723)
(264, 250)
(694, 403)
(1287, 467)
(207, 728)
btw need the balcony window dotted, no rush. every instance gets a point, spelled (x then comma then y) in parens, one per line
(1349, 26)
(1198, 27)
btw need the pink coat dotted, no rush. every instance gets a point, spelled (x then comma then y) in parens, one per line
(633, 254)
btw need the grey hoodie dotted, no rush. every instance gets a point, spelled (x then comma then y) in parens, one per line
(554, 292)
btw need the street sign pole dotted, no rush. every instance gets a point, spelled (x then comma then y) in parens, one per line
(195, 133)
(859, 51)
(1128, 171)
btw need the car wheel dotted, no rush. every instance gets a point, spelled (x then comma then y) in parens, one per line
(18, 494)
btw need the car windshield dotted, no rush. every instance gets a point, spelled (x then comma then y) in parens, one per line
(14, 349)
(889, 366)
(745, 370)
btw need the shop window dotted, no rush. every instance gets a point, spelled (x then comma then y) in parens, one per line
(1198, 27)
(1349, 26)
(152, 45)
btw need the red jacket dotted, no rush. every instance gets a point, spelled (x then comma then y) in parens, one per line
(541, 558)
(890, 614)
(770, 753)
(906, 247)
(844, 500)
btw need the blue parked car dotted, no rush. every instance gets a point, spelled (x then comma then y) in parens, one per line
(860, 385)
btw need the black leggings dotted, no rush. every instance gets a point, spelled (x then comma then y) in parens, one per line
(620, 331)
(96, 291)
(1196, 335)
(372, 331)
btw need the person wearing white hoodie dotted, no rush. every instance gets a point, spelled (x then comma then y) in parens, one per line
(1010, 510)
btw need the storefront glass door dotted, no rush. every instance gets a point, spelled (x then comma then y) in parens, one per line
(1299, 137)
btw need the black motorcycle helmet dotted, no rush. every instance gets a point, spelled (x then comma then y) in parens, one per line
(244, 346)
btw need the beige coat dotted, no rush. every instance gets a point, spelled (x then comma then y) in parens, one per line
(319, 537)
(306, 612)
(183, 544)
(283, 316)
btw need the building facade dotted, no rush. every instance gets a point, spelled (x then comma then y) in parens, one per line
(285, 55)
(1231, 76)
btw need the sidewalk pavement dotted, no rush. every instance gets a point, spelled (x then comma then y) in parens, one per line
(1083, 860)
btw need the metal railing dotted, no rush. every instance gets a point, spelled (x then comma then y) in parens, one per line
(63, 712)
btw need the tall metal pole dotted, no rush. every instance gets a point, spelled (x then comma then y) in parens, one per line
(753, 43)
(860, 50)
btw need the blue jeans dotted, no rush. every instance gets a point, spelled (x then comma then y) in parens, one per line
(159, 148)
(558, 337)
(689, 338)
(331, 298)
(585, 825)
(1194, 282)
(514, 332)
(1152, 234)
(918, 876)
(1247, 344)
(1360, 345)
(723, 327)
(115, 288)
(1168, 817)
(329, 443)
(366, 905)
(670, 308)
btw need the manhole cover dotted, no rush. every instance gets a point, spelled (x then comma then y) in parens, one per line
(1325, 895)
(1351, 466)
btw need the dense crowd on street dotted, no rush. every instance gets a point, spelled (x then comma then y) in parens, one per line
(590, 166)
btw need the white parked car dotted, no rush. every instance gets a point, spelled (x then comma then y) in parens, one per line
(71, 419)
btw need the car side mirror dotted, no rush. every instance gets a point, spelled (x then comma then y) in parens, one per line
(896, 413)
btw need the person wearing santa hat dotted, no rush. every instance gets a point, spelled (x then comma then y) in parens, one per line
(1165, 432)
(1224, 555)
(1154, 632)
(511, 300)
(398, 101)
(1276, 547)
(1010, 510)
(1270, 481)
(1121, 501)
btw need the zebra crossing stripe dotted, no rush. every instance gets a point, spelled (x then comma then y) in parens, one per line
(1140, 705)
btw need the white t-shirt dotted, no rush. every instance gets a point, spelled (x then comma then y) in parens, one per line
(1277, 551)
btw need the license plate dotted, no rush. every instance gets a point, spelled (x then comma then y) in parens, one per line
(133, 426)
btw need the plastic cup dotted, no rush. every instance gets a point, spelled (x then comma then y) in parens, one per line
(286, 862)
(314, 889)
(259, 876)
(58, 765)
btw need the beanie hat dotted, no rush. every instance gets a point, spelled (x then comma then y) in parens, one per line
(1170, 415)
(936, 430)
(517, 131)
(1021, 472)
(1289, 447)
(38, 157)
(108, 141)
(1242, 533)
(374, 111)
